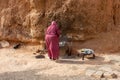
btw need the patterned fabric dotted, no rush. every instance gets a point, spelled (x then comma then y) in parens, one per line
(86, 51)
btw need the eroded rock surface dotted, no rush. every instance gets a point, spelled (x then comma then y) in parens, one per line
(26, 20)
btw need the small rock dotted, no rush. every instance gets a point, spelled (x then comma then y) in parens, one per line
(4, 43)
(117, 72)
(90, 72)
(98, 74)
(108, 75)
(114, 75)
(17, 46)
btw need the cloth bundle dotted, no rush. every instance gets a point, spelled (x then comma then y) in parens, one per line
(86, 51)
(63, 41)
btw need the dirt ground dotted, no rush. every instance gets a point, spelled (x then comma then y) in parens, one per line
(21, 64)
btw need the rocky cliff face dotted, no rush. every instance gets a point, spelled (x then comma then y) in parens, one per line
(25, 20)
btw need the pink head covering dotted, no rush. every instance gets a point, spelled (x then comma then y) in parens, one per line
(53, 29)
(53, 23)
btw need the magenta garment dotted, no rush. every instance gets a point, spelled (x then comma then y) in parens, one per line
(52, 40)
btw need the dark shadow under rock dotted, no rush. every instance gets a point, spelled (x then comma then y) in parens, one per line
(40, 56)
(16, 46)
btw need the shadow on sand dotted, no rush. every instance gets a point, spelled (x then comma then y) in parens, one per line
(32, 75)
(39, 56)
(97, 61)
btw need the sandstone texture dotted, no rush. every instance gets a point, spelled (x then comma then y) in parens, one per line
(26, 20)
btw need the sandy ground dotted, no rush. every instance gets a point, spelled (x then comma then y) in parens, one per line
(21, 64)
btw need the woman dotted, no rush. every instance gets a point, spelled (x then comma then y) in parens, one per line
(52, 40)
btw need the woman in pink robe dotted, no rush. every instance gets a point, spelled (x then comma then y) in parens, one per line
(52, 40)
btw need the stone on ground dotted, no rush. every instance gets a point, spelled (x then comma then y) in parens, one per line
(108, 75)
(98, 74)
(4, 43)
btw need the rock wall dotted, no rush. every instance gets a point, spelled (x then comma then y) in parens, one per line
(25, 20)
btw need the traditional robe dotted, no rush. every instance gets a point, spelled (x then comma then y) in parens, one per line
(52, 40)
